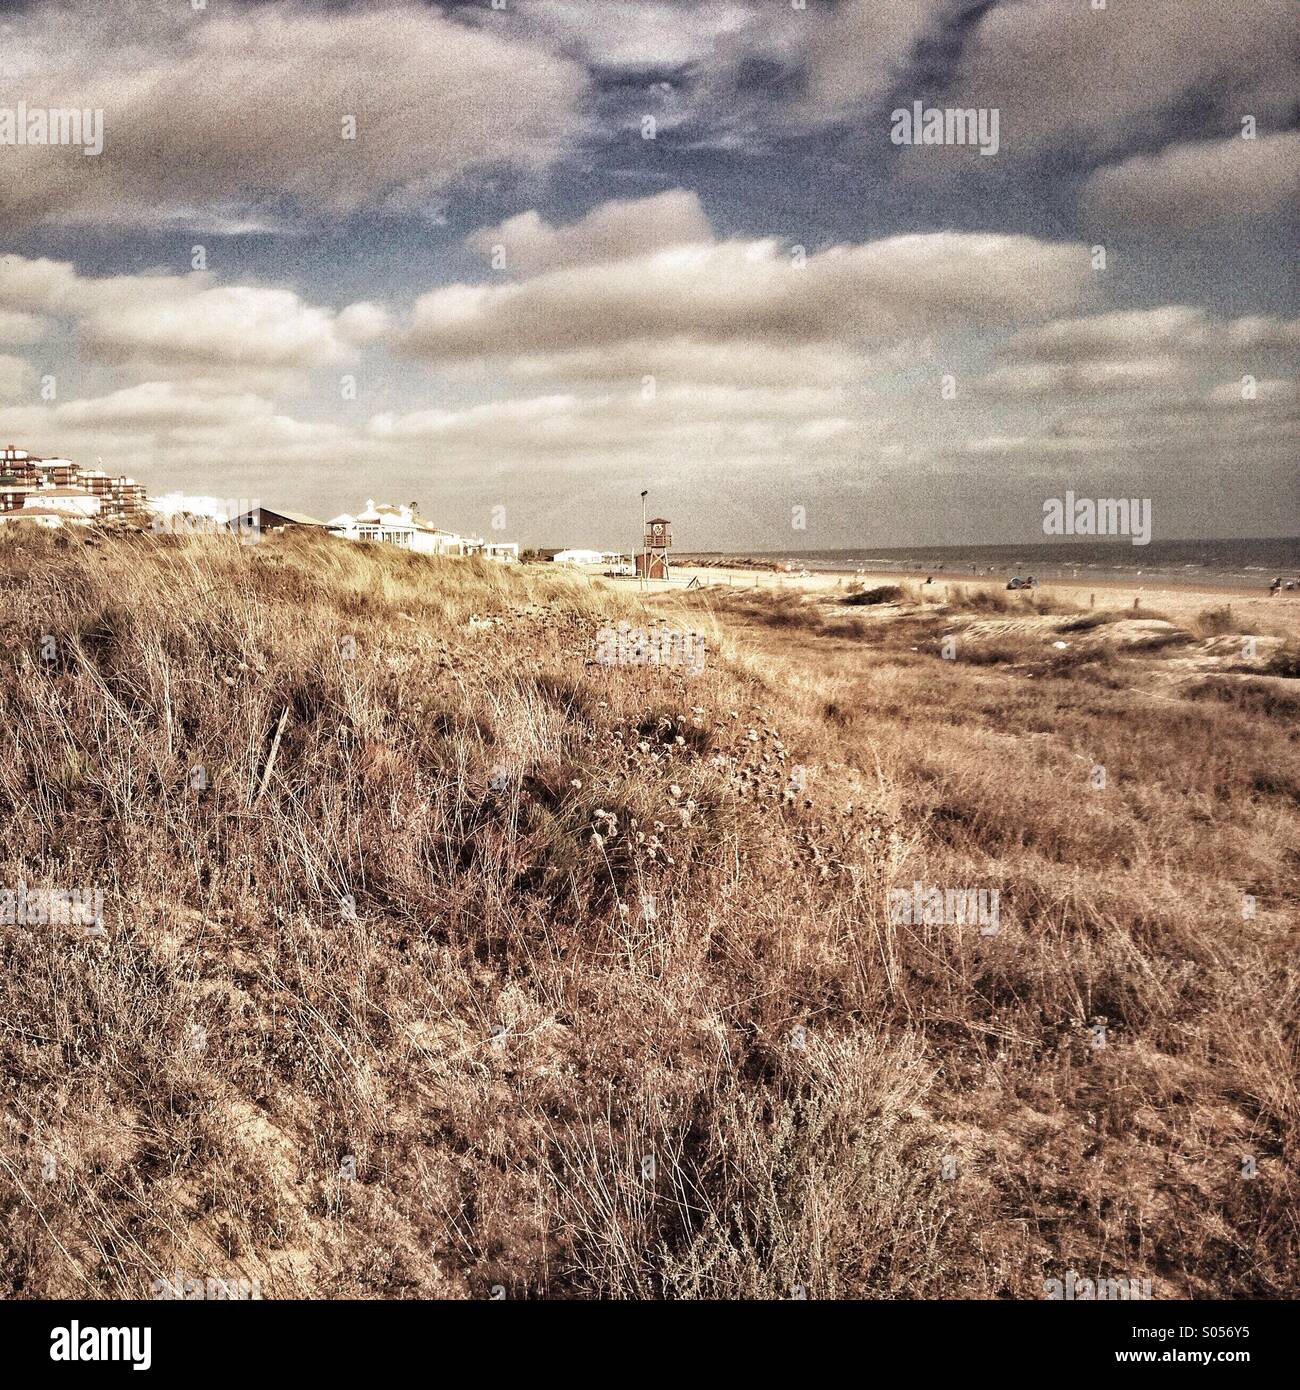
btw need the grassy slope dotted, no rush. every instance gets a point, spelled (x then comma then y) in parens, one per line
(531, 1001)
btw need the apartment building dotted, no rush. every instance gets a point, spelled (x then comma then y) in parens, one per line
(28, 482)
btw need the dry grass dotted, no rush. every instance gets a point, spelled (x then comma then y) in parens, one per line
(528, 943)
(879, 593)
(990, 600)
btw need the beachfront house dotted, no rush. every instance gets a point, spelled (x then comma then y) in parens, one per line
(401, 526)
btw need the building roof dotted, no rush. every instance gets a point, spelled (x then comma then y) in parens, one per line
(581, 550)
(30, 513)
(298, 518)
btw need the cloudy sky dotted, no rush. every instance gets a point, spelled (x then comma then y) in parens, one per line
(542, 256)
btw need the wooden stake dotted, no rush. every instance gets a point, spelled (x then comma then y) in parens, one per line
(270, 761)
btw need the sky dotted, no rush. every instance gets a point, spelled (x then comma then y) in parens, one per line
(517, 260)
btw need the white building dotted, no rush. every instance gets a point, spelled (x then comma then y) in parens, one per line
(578, 557)
(611, 561)
(400, 526)
(75, 502)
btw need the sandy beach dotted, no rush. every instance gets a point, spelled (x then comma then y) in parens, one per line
(1257, 608)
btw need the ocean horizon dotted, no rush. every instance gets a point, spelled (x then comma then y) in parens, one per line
(1232, 562)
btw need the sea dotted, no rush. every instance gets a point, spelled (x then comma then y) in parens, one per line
(1216, 564)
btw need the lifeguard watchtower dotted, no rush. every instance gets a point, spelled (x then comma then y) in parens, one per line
(652, 562)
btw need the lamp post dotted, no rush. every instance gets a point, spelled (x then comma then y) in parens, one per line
(645, 563)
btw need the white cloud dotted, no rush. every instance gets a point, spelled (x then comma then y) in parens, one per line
(1034, 448)
(855, 50)
(640, 33)
(673, 360)
(36, 285)
(157, 405)
(1199, 184)
(224, 111)
(1269, 392)
(1032, 379)
(729, 425)
(1137, 333)
(1154, 356)
(905, 285)
(216, 324)
(18, 329)
(612, 231)
(177, 322)
(364, 323)
(181, 431)
(131, 414)
(14, 374)
(1063, 73)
